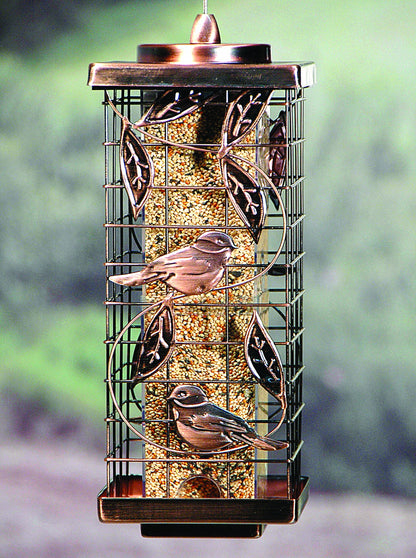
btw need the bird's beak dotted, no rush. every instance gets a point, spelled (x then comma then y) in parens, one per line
(233, 246)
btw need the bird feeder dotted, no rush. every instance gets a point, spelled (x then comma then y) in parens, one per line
(204, 181)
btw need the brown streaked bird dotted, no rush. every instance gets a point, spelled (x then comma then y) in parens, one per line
(192, 270)
(207, 427)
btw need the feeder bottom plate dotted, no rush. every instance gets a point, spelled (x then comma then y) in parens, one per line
(201, 517)
(202, 530)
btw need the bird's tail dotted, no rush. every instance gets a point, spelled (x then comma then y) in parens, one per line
(268, 445)
(129, 279)
(258, 441)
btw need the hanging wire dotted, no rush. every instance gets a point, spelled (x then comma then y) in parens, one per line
(205, 3)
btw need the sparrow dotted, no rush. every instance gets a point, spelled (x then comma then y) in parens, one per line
(207, 427)
(192, 270)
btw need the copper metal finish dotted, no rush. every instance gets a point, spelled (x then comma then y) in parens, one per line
(159, 416)
(217, 517)
(249, 74)
(174, 104)
(154, 349)
(193, 270)
(264, 362)
(203, 53)
(205, 47)
(246, 195)
(269, 267)
(242, 116)
(126, 428)
(207, 427)
(136, 168)
(205, 30)
(277, 154)
(244, 191)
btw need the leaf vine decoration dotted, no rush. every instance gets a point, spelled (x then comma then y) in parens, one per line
(246, 195)
(264, 361)
(277, 155)
(175, 103)
(157, 344)
(242, 116)
(136, 168)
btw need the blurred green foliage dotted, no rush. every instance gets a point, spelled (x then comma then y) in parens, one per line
(57, 362)
(360, 419)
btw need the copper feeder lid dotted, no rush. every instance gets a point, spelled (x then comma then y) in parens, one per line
(205, 47)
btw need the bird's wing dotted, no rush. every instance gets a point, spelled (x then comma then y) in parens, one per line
(215, 419)
(185, 261)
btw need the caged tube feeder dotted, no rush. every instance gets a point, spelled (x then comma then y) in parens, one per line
(204, 212)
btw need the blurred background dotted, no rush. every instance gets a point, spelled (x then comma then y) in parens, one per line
(360, 385)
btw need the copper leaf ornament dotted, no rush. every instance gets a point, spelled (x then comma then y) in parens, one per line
(242, 116)
(246, 196)
(174, 104)
(277, 154)
(156, 346)
(264, 360)
(136, 168)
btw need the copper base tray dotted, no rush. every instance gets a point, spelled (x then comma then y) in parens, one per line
(201, 517)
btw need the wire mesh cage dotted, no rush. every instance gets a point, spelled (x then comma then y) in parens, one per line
(204, 209)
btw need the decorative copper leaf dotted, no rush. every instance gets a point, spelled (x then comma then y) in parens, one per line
(156, 346)
(277, 154)
(264, 360)
(174, 104)
(246, 196)
(136, 168)
(242, 116)
(277, 160)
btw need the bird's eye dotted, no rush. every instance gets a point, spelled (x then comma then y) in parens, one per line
(182, 394)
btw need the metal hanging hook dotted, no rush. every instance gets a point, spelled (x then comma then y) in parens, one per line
(205, 6)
